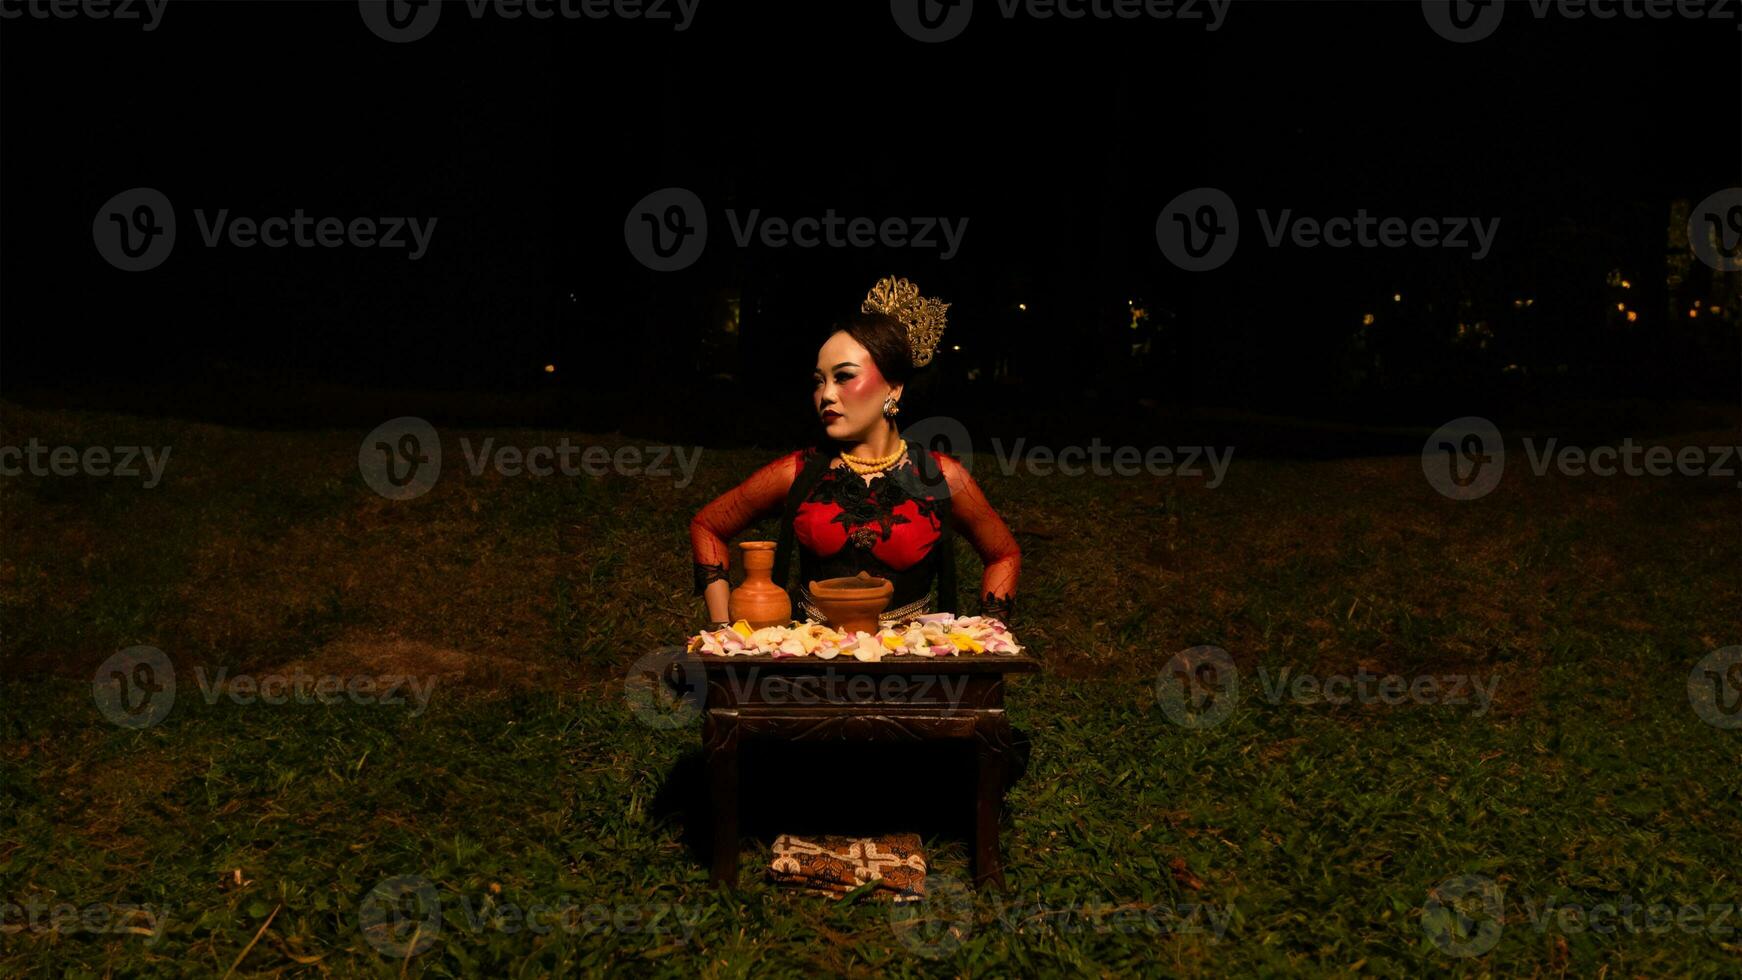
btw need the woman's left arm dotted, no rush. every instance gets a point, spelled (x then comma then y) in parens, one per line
(973, 516)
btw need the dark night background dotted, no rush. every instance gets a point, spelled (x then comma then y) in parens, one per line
(1060, 142)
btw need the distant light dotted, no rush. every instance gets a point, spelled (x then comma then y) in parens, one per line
(1693, 313)
(1632, 316)
(1626, 285)
(1716, 310)
(571, 297)
(1397, 297)
(1130, 302)
(1519, 304)
(1367, 319)
(1023, 307)
(550, 369)
(955, 347)
(1621, 306)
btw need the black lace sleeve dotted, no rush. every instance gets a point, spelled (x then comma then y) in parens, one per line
(707, 572)
(1000, 608)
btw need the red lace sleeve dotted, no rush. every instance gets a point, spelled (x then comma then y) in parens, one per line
(973, 516)
(762, 493)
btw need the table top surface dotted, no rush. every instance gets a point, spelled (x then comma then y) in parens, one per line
(976, 663)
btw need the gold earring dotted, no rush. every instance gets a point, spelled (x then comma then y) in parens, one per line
(891, 408)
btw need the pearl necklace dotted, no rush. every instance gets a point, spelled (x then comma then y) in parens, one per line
(864, 466)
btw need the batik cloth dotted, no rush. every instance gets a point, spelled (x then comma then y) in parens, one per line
(833, 866)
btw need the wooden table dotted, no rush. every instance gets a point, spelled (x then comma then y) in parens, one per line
(898, 699)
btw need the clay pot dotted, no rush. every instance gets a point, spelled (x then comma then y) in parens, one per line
(757, 600)
(852, 604)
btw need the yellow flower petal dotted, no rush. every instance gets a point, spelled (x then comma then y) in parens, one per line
(742, 628)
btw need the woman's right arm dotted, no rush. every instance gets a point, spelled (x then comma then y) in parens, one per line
(762, 493)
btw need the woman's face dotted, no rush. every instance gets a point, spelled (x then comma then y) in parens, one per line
(849, 389)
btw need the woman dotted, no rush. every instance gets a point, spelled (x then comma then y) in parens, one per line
(864, 498)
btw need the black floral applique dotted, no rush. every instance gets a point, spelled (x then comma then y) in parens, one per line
(864, 504)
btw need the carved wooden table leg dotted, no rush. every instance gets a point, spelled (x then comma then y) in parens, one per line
(720, 743)
(991, 748)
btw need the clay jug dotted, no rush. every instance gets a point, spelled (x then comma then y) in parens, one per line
(757, 600)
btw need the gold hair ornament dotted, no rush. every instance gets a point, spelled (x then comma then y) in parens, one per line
(923, 316)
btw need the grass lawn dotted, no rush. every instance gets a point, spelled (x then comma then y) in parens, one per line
(1291, 835)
